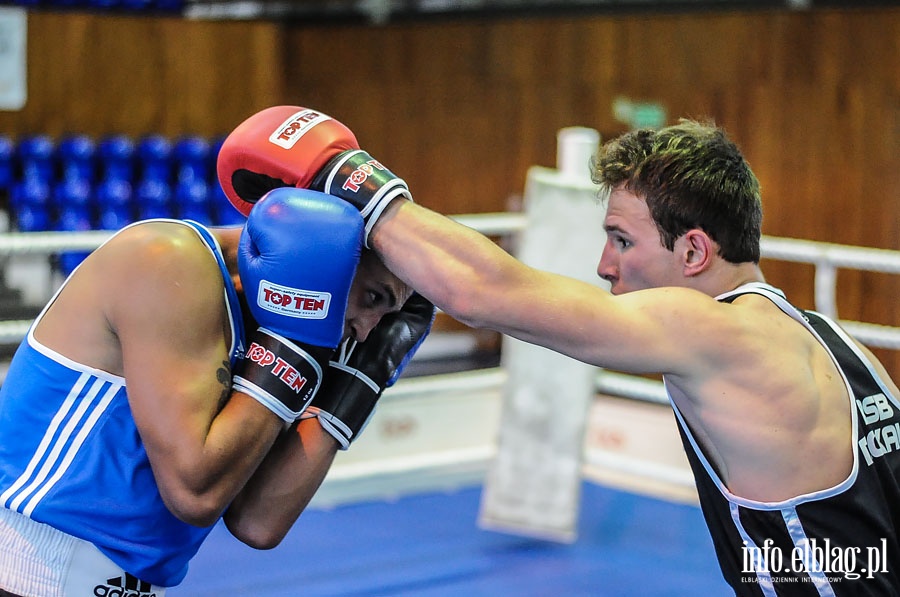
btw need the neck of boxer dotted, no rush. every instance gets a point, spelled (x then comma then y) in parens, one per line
(723, 277)
(228, 239)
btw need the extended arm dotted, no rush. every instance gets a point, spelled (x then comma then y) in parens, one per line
(460, 270)
(478, 283)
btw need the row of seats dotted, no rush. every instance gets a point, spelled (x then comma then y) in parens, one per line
(165, 6)
(78, 183)
(114, 156)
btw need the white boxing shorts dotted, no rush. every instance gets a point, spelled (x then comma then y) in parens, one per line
(37, 560)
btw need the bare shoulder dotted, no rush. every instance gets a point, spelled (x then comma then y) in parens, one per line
(157, 251)
(160, 268)
(752, 343)
(685, 314)
(667, 330)
(151, 276)
(153, 245)
(754, 324)
(696, 336)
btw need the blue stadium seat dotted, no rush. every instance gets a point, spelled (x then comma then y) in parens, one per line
(113, 193)
(191, 155)
(76, 155)
(223, 212)
(112, 218)
(103, 4)
(153, 199)
(169, 5)
(116, 157)
(32, 219)
(155, 158)
(192, 201)
(36, 155)
(30, 205)
(137, 5)
(72, 218)
(114, 204)
(30, 193)
(7, 162)
(73, 194)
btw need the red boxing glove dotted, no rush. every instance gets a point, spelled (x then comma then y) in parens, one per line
(290, 146)
(283, 146)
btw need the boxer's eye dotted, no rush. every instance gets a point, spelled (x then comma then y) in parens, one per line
(381, 296)
(374, 298)
(621, 242)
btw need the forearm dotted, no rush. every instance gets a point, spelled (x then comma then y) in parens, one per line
(477, 282)
(454, 266)
(265, 509)
(201, 460)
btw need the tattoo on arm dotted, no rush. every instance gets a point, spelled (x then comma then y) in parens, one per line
(223, 374)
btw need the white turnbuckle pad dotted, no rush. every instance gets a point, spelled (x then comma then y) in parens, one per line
(533, 487)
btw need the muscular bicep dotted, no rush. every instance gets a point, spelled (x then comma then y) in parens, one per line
(177, 371)
(653, 331)
(168, 316)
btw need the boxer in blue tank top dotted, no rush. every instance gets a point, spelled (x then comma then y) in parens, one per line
(143, 405)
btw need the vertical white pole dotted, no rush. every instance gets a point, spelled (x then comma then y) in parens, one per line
(533, 487)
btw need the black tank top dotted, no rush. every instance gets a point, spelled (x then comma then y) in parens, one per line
(839, 541)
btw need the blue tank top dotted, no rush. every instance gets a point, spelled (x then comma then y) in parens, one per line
(71, 456)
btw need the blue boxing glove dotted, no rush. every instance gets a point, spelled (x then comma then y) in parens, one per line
(297, 258)
(361, 371)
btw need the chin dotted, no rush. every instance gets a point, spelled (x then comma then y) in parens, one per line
(620, 289)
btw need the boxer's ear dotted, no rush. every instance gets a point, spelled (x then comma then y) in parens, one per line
(697, 251)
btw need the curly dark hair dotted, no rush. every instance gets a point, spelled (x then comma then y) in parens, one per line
(692, 176)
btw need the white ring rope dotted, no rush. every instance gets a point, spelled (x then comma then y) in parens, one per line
(846, 256)
(49, 243)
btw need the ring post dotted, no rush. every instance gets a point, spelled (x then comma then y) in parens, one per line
(533, 486)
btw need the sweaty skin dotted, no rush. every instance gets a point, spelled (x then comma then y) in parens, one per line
(762, 413)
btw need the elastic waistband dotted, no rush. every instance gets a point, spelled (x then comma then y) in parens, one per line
(37, 560)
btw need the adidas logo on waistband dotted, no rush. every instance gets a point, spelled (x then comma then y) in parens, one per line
(124, 586)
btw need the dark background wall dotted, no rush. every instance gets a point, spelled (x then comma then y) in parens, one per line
(462, 107)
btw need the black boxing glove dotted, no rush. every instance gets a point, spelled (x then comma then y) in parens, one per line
(361, 371)
(362, 181)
